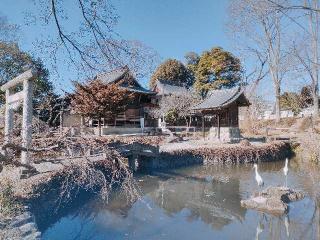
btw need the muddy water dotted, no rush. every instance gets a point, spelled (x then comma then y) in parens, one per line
(198, 203)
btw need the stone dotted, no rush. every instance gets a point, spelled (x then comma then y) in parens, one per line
(33, 236)
(27, 172)
(13, 101)
(28, 228)
(273, 200)
(245, 143)
(227, 134)
(21, 220)
(173, 139)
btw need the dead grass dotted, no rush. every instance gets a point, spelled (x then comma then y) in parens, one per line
(236, 153)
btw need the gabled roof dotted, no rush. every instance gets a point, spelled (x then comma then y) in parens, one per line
(165, 88)
(112, 76)
(119, 74)
(217, 99)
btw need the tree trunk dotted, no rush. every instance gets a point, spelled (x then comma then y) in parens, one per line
(314, 28)
(316, 102)
(277, 106)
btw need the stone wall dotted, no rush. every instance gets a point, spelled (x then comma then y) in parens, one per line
(227, 134)
(122, 130)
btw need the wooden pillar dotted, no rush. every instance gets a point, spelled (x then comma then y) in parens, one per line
(203, 133)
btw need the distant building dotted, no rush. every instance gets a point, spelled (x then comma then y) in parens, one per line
(306, 112)
(270, 113)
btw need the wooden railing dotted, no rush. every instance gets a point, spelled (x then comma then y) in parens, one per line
(283, 137)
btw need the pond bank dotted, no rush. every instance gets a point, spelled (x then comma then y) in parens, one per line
(53, 190)
(175, 156)
(48, 190)
(22, 226)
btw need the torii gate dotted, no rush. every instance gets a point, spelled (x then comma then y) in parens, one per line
(13, 101)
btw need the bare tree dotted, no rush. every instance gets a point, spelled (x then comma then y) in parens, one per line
(260, 24)
(306, 51)
(84, 32)
(287, 6)
(181, 104)
(314, 31)
(8, 32)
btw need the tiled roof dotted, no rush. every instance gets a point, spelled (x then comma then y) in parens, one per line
(140, 89)
(112, 76)
(220, 98)
(166, 88)
(118, 74)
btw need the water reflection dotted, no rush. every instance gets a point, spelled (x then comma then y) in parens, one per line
(197, 203)
(216, 203)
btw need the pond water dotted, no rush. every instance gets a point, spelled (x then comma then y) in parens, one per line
(197, 203)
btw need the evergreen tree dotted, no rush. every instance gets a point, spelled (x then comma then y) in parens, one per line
(192, 59)
(173, 71)
(13, 62)
(217, 69)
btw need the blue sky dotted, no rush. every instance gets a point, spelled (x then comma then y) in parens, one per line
(171, 27)
(174, 27)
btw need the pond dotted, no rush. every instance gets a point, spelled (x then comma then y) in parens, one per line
(197, 203)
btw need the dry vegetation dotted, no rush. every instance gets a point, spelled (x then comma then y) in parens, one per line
(236, 153)
(82, 165)
(306, 132)
(258, 127)
(309, 149)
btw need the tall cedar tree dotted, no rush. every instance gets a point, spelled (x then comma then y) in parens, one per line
(98, 100)
(217, 69)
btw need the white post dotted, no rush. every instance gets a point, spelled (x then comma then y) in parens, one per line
(8, 119)
(27, 118)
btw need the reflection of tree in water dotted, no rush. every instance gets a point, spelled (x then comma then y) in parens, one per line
(309, 177)
(215, 203)
(212, 195)
(117, 203)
